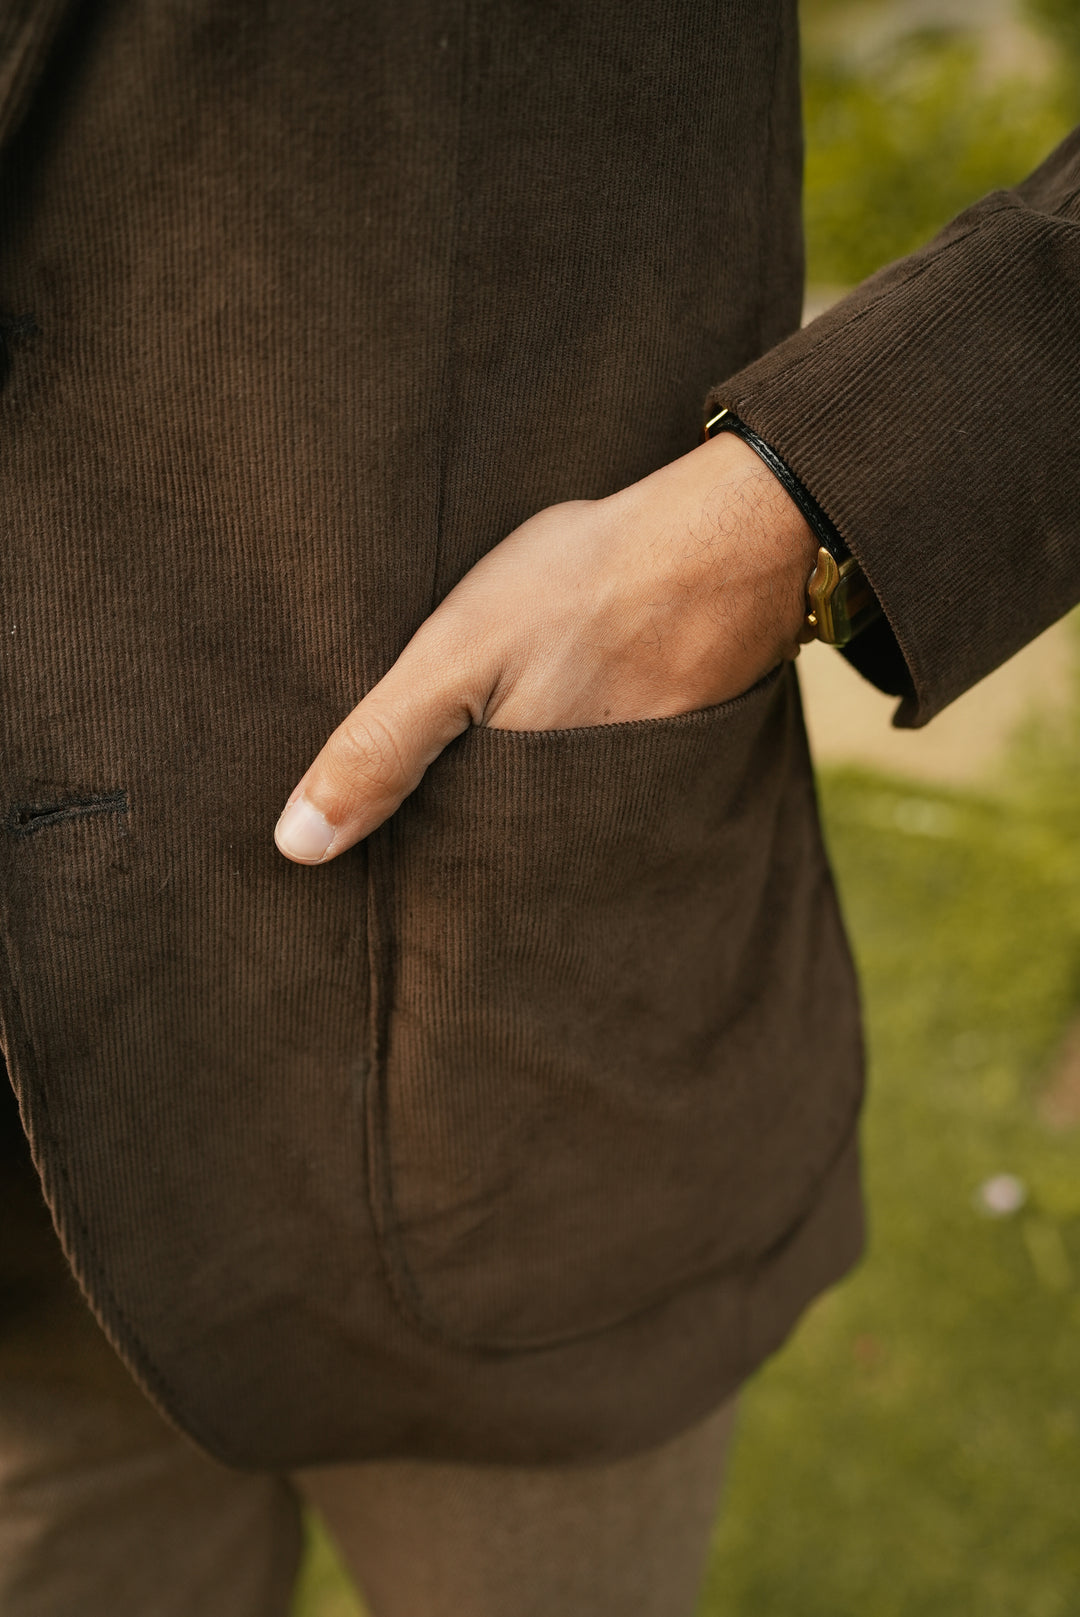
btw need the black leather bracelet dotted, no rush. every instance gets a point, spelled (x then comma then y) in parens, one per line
(840, 602)
(824, 531)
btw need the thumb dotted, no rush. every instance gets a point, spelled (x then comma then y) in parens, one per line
(374, 759)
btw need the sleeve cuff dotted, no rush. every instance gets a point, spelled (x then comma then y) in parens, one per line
(918, 412)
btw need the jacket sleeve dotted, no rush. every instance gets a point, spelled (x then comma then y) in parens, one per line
(935, 415)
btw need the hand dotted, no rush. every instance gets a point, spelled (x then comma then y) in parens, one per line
(676, 593)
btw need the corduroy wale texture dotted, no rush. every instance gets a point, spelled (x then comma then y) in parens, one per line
(935, 414)
(525, 1130)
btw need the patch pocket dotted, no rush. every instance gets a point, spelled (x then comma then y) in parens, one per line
(619, 1040)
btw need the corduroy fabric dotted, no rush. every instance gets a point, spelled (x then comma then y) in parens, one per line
(524, 1131)
(935, 415)
(611, 992)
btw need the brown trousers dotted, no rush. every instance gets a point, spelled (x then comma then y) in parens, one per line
(105, 1511)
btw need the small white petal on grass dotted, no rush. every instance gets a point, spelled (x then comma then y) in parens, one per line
(1002, 1195)
(921, 817)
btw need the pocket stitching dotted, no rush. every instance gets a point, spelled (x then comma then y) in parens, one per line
(686, 720)
(404, 1286)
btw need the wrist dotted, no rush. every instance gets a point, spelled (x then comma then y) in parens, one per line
(840, 602)
(770, 542)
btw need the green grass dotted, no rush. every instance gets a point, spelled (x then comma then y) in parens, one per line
(916, 1448)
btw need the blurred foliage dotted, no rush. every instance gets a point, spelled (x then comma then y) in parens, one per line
(905, 132)
(1060, 22)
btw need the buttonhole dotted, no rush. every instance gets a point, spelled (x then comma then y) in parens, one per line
(26, 818)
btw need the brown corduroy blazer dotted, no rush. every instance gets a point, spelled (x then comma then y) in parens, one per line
(525, 1130)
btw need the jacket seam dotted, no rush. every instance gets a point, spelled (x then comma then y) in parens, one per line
(764, 241)
(453, 275)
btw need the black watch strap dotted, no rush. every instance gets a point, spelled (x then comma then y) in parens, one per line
(840, 602)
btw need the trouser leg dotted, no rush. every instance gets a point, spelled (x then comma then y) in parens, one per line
(105, 1511)
(438, 1540)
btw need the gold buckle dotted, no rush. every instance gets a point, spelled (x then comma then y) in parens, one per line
(840, 601)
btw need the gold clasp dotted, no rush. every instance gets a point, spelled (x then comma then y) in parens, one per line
(840, 601)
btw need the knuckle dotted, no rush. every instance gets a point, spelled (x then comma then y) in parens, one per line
(366, 758)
